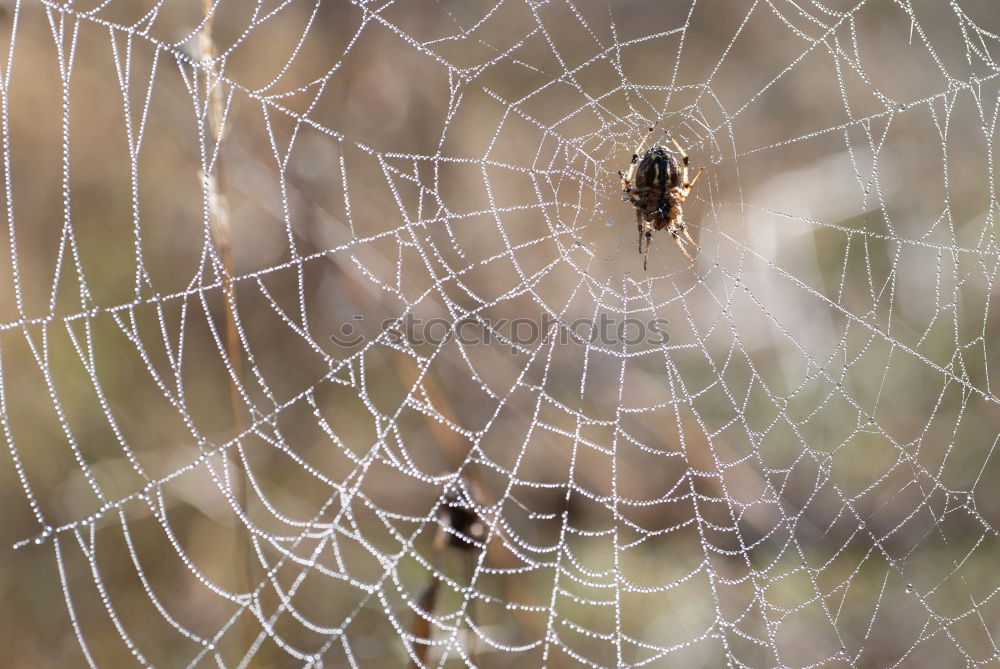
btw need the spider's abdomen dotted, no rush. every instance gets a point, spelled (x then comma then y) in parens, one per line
(657, 172)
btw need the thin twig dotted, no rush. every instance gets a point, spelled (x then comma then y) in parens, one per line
(221, 235)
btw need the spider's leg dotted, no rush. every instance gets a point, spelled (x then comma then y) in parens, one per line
(684, 155)
(634, 165)
(689, 184)
(649, 239)
(677, 225)
(638, 151)
(677, 240)
(636, 155)
(681, 193)
(681, 227)
(688, 237)
(638, 218)
(626, 183)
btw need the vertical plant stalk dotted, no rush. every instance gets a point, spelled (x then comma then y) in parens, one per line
(221, 235)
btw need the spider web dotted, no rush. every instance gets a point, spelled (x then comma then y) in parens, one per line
(198, 196)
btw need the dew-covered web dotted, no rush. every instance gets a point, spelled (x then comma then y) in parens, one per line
(325, 341)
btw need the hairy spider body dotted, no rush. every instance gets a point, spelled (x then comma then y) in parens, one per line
(657, 184)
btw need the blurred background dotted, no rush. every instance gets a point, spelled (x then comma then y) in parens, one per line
(220, 454)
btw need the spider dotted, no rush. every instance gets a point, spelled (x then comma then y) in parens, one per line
(657, 186)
